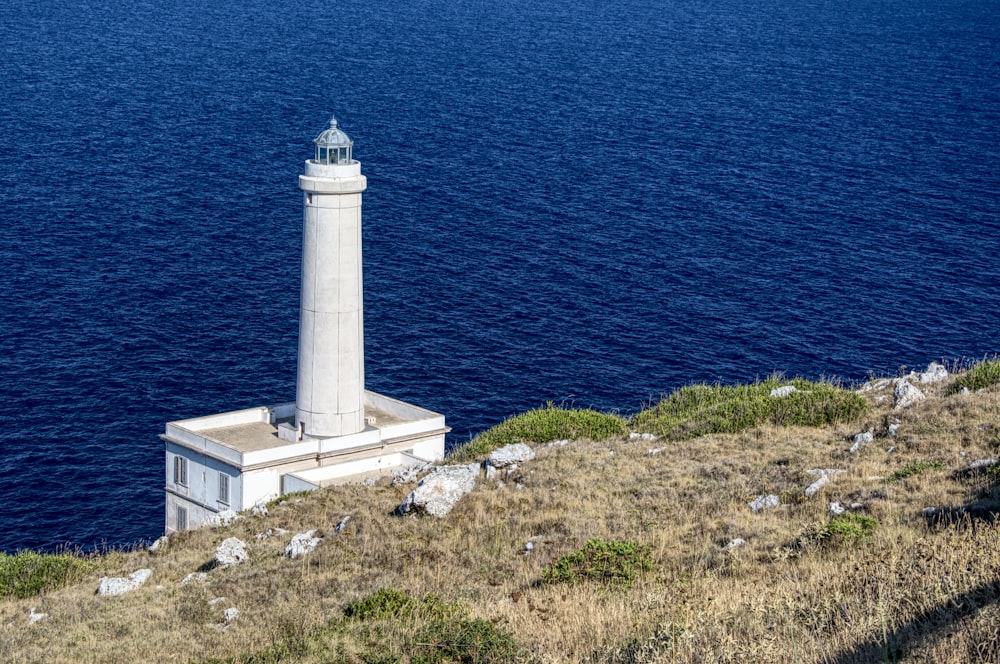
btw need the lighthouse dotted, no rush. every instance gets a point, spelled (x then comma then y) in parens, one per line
(330, 384)
(335, 431)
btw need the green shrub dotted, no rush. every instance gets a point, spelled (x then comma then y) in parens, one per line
(846, 527)
(614, 562)
(383, 603)
(915, 468)
(984, 374)
(467, 641)
(697, 410)
(391, 603)
(541, 426)
(28, 573)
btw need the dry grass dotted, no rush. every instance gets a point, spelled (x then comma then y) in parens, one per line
(910, 592)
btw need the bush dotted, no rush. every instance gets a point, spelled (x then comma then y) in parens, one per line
(984, 374)
(28, 573)
(541, 426)
(915, 468)
(468, 641)
(698, 410)
(601, 560)
(391, 603)
(846, 527)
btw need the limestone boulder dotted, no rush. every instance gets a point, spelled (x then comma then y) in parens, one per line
(232, 551)
(935, 373)
(862, 439)
(816, 486)
(761, 503)
(120, 585)
(510, 455)
(906, 394)
(783, 391)
(438, 493)
(302, 544)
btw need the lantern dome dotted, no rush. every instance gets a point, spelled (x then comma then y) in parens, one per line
(333, 146)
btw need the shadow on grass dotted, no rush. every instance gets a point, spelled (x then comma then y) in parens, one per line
(933, 624)
(941, 621)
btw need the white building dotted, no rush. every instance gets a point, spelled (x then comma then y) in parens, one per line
(335, 431)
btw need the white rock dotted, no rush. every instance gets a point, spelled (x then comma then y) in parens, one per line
(655, 451)
(302, 544)
(861, 439)
(224, 518)
(814, 488)
(438, 492)
(194, 577)
(906, 394)
(260, 509)
(836, 508)
(510, 455)
(34, 616)
(982, 463)
(216, 601)
(819, 472)
(641, 436)
(230, 614)
(893, 429)
(935, 373)
(120, 585)
(271, 532)
(409, 474)
(783, 391)
(491, 472)
(558, 443)
(734, 544)
(875, 385)
(232, 551)
(529, 547)
(342, 524)
(160, 543)
(764, 502)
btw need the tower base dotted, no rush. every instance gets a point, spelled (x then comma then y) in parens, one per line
(233, 461)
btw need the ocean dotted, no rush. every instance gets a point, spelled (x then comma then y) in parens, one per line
(580, 202)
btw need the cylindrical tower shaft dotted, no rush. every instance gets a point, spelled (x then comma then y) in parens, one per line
(329, 398)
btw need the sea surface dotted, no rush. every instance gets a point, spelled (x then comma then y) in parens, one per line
(590, 203)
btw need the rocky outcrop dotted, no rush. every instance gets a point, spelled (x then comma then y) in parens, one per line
(761, 503)
(783, 391)
(862, 439)
(510, 455)
(438, 492)
(120, 585)
(906, 394)
(302, 544)
(232, 551)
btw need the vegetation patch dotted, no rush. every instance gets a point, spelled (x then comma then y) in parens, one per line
(28, 573)
(388, 603)
(915, 468)
(698, 410)
(541, 426)
(984, 374)
(601, 560)
(471, 641)
(843, 528)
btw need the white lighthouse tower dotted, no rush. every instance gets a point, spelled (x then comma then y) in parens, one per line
(336, 431)
(329, 395)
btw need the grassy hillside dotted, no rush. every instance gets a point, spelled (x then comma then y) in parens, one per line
(635, 555)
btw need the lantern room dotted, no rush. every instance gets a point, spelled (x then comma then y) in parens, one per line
(333, 146)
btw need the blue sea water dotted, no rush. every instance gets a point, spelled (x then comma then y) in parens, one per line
(585, 202)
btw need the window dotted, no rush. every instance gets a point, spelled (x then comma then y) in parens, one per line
(182, 518)
(223, 488)
(180, 471)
